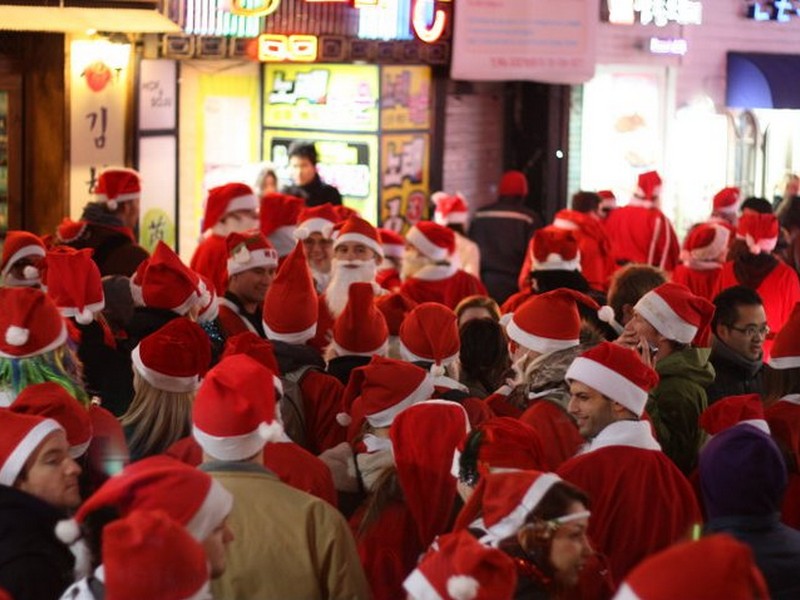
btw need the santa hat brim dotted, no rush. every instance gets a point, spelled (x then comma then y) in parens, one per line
(359, 238)
(162, 381)
(13, 465)
(537, 343)
(385, 417)
(656, 311)
(609, 383)
(24, 252)
(217, 505)
(417, 239)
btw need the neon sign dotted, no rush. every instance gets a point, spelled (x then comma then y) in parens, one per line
(267, 8)
(273, 47)
(655, 12)
(773, 10)
(419, 20)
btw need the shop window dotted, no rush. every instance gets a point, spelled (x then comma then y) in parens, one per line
(743, 151)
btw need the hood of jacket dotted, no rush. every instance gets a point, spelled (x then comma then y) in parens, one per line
(690, 363)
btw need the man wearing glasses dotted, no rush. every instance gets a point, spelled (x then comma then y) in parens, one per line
(739, 330)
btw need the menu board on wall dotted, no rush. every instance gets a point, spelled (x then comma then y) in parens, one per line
(405, 179)
(348, 162)
(321, 97)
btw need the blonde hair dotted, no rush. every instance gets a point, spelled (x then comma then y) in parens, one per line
(156, 419)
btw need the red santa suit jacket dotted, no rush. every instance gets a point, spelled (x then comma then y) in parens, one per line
(389, 279)
(231, 320)
(641, 502)
(640, 233)
(702, 282)
(780, 291)
(325, 321)
(322, 397)
(292, 464)
(784, 425)
(558, 431)
(445, 284)
(210, 258)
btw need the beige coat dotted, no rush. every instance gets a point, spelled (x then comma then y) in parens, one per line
(288, 545)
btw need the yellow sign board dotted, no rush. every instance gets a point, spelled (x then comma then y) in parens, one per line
(405, 97)
(405, 179)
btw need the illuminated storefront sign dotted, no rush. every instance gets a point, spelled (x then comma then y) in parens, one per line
(773, 10)
(677, 46)
(287, 48)
(655, 12)
(243, 8)
(428, 33)
(216, 17)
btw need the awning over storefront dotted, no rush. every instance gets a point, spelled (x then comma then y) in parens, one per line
(80, 20)
(756, 80)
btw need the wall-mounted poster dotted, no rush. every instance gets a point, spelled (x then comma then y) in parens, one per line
(404, 179)
(405, 97)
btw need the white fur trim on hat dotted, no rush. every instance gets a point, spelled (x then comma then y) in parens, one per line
(162, 381)
(537, 343)
(17, 333)
(385, 417)
(241, 262)
(81, 316)
(511, 523)
(317, 225)
(656, 311)
(381, 350)
(609, 383)
(217, 505)
(359, 238)
(784, 362)
(455, 218)
(763, 245)
(24, 252)
(555, 262)
(409, 356)
(417, 239)
(295, 337)
(625, 592)
(13, 464)
(191, 300)
(246, 202)
(419, 588)
(715, 248)
(237, 447)
(565, 224)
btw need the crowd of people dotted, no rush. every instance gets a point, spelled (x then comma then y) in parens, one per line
(313, 407)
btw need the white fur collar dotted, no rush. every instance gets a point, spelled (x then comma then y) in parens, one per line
(435, 272)
(791, 398)
(636, 434)
(223, 301)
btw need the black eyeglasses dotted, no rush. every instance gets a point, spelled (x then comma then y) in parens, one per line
(752, 330)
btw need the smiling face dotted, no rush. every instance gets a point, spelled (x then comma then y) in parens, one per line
(747, 333)
(51, 475)
(592, 411)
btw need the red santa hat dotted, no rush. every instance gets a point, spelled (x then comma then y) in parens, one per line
(395, 306)
(785, 352)
(74, 283)
(249, 250)
(429, 333)
(450, 209)
(568, 219)
(148, 555)
(169, 284)
(30, 323)
(434, 241)
(608, 201)
(507, 500)
(549, 322)
(19, 245)
(387, 387)
(759, 231)
(513, 183)
(555, 248)
(137, 279)
(746, 409)
(423, 470)
(715, 566)
(189, 496)
(290, 304)
(675, 312)
(234, 413)
(344, 212)
(22, 435)
(707, 242)
(225, 199)
(356, 229)
(361, 329)
(648, 185)
(69, 231)
(174, 357)
(316, 219)
(726, 200)
(616, 372)
(458, 567)
(278, 218)
(117, 185)
(504, 444)
(257, 348)
(393, 243)
(210, 309)
(52, 401)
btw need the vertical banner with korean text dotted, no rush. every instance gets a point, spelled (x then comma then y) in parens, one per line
(406, 121)
(528, 40)
(98, 104)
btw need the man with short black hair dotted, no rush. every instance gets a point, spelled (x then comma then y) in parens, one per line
(739, 328)
(307, 184)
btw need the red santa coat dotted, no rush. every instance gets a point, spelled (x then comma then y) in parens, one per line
(389, 279)
(640, 233)
(784, 425)
(641, 502)
(597, 262)
(292, 464)
(231, 320)
(322, 397)
(558, 431)
(780, 291)
(445, 284)
(210, 258)
(701, 282)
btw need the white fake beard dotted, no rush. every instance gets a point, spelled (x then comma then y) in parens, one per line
(341, 278)
(413, 262)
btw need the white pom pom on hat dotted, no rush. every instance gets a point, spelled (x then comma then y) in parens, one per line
(30, 272)
(343, 419)
(17, 336)
(242, 255)
(85, 316)
(68, 531)
(302, 233)
(462, 587)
